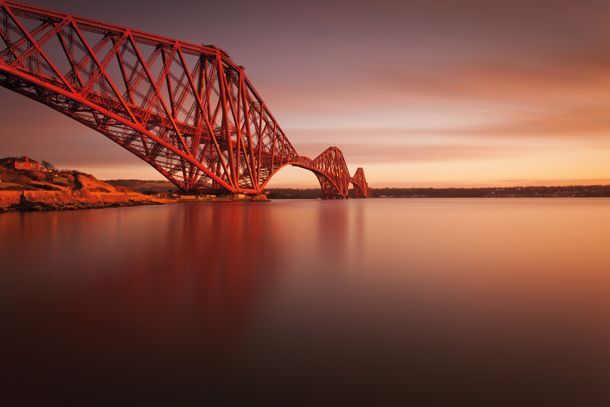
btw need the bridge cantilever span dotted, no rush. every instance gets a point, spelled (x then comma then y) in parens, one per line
(187, 110)
(361, 187)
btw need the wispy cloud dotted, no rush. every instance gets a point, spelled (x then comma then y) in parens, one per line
(429, 87)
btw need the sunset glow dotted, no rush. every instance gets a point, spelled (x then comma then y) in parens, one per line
(416, 92)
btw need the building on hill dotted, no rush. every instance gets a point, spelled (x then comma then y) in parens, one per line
(25, 164)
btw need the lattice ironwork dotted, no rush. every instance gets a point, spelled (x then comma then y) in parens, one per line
(187, 110)
(361, 188)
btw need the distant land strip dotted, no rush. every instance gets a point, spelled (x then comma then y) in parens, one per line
(576, 191)
(26, 184)
(589, 191)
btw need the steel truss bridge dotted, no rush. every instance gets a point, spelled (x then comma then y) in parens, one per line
(187, 110)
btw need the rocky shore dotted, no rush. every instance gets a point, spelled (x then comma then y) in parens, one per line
(66, 201)
(27, 185)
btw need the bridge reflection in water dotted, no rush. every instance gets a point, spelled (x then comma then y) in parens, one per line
(150, 297)
(363, 300)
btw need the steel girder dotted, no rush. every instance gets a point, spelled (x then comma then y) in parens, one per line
(187, 110)
(361, 188)
(331, 170)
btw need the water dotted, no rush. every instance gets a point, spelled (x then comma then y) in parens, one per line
(376, 302)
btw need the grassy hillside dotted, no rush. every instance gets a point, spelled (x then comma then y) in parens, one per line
(46, 188)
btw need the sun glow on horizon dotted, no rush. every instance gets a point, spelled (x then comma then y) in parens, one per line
(434, 104)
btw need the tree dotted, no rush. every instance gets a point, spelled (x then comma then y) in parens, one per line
(47, 165)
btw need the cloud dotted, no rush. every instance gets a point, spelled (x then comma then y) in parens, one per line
(412, 153)
(387, 81)
(555, 96)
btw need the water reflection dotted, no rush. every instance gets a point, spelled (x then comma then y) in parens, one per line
(141, 288)
(379, 300)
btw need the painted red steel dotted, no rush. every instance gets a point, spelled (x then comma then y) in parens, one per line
(187, 110)
(361, 187)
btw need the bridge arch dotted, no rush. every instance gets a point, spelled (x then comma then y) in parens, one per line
(361, 187)
(329, 187)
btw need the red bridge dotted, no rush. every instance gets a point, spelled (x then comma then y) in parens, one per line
(187, 110)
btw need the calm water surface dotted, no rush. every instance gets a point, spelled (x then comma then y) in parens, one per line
(432, 302)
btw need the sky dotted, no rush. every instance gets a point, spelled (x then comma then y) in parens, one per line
(419, 93)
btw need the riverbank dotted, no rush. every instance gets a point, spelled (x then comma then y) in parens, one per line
(72, 200)
(29, 185)
(42, 201)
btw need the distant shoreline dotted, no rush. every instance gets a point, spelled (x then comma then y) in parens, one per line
(584, 191)
(565, 191)
(29, 185)
(48, 201)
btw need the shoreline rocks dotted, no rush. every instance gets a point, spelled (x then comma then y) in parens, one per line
(43, 201)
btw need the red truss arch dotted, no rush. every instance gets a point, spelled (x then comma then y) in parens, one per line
(361, 188)
(187, 110)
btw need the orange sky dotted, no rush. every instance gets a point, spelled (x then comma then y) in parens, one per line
(438, 93)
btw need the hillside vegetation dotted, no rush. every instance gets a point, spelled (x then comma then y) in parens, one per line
(43, 187)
